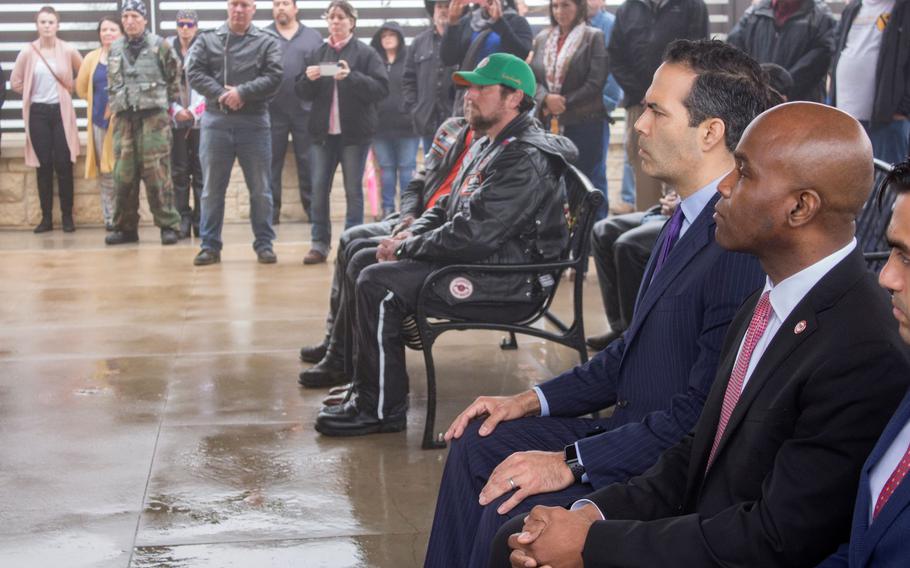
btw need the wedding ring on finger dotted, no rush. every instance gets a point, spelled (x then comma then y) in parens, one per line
(512, 484)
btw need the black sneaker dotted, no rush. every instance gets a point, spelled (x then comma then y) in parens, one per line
(169, 236)
(206, 257)
(121, 237)
(266, 256)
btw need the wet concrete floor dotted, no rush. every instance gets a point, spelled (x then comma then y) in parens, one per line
(150, 413)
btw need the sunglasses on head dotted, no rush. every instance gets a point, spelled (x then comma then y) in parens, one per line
(186, 24)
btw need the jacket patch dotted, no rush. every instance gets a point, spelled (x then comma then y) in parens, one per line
(461, 288)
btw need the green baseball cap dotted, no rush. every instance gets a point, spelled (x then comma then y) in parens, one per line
(499, 69)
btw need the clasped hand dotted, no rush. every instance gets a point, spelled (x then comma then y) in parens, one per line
(552, 536)
(387, 247)
(231, 98)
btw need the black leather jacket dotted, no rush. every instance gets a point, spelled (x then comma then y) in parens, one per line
(448, 144)
(507, 207)
(253, 66)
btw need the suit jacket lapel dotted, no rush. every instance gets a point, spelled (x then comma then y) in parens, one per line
(898, 501)
(819, 298)
(707, 426)
(698, 236)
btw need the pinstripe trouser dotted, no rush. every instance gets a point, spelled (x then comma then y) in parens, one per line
(463, 530)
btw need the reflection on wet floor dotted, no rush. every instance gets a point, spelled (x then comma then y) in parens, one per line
(150, 413)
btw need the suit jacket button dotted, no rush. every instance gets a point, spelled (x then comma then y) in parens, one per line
(622, 403)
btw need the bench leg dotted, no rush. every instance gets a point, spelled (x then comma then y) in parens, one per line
(430, 441)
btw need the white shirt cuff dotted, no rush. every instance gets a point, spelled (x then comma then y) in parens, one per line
(584, 503)
(544, 407)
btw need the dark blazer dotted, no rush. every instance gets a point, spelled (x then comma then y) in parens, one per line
(584, 82)
(780, 490)
(803, 45)
(659, 372)
(884, 544)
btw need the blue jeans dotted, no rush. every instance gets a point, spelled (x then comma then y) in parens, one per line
(246, 138)
(589, 139)
(297, 126)
(397, 158)
(600, 170)
(627, 193)
(889, 141)
(324, 160)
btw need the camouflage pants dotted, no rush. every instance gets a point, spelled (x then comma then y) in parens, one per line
(142, 150)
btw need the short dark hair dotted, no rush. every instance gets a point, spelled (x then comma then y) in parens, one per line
(778, 78)
(47, 10)
(526, 104)
(112, 20)
(729, 85)
(581, 14)
(899, 177)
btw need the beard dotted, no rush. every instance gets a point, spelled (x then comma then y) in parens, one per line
(283, 19)
(478, 122)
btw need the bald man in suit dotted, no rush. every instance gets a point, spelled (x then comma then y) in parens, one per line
(811, 368)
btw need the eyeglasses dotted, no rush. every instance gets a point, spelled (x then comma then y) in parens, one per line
(186, 24)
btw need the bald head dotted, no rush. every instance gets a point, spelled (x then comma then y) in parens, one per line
(803, 172)
(822, 148)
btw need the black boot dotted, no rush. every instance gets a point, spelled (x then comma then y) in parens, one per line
(168, 236)
(186, 224)
(327, 373)
(68, 225)
(314, 353)
(45, 225)
(348, 420)
(121, 237)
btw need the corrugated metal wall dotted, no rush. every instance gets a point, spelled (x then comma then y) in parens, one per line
(79, 20)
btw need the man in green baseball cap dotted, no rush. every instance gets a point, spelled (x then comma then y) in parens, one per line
(500, 88)
(506, 206)
(500, 69)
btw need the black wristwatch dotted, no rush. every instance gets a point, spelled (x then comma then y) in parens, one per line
(571, 456)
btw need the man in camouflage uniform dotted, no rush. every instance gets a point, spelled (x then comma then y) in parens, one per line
(143, 78)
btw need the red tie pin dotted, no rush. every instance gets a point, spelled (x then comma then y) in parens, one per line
(800, 327)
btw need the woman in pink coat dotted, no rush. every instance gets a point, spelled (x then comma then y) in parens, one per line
(43, 75)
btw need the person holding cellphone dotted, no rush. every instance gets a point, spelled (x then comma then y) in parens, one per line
(344, 80)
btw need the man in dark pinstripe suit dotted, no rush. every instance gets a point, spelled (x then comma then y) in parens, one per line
(532, 448)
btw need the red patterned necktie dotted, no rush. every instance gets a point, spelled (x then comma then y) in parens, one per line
(896, 477)
(757, 326)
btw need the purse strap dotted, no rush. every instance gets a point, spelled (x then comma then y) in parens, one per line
(49, 68)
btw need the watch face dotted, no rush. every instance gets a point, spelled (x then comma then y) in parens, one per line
(570, 452)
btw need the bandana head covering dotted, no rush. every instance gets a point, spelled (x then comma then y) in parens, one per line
(134, 6)
(187, 15)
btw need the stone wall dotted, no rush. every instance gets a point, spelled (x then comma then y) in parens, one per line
(19, 207)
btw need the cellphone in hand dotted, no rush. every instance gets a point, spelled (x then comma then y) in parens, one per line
(328, 69)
